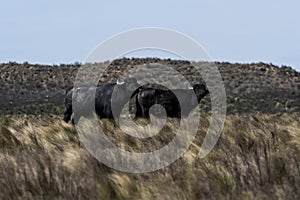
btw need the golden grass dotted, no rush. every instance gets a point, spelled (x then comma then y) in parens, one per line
(256, 157)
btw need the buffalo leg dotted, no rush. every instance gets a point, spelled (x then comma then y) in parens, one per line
(68, 114)
(145, 112)
(139, 110)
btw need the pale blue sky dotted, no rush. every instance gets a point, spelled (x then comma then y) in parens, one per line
(65, 31)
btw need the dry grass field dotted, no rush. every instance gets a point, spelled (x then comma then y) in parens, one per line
(257, 156)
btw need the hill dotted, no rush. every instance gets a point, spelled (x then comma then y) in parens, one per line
(256, 87)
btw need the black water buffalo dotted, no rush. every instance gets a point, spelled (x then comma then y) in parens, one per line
(190, 98)
(109, 100)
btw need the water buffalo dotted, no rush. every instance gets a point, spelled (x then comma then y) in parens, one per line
(109, 100)
(190, 98)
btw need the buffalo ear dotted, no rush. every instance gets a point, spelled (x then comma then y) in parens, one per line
(190, 88)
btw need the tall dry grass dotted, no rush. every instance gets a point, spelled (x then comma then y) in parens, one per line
(256, 157)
